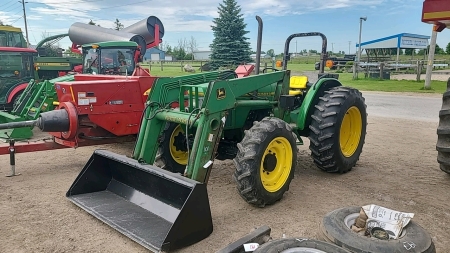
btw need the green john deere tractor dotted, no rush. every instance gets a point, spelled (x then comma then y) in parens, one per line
(192, 120)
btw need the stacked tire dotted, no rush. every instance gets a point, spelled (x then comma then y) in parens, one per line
(335, 228)
(443, 132)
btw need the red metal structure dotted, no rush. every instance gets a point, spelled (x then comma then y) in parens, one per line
(104, 108)
(436, 12)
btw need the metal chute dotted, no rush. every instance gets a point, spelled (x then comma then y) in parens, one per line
(146, 28)
(80, 33)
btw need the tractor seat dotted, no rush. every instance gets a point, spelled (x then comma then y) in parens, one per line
(297, 84)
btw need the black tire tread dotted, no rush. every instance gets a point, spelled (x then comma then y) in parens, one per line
(279, 245)
(248, 150)
(163, 157)
(324, 127)
(443, 133)
(333, 229)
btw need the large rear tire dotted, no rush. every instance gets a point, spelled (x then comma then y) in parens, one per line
(443, 133)
(338, 129)
(172, 152)
(265, 162)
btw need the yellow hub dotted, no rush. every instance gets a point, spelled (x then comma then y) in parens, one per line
(180, 156)
(276, 164)
(350, 133)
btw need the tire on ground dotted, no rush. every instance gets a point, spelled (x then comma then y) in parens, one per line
(443, 133)
(338, 129)
(170, 156)
(265, 162)
(298, 245)
(335, 228)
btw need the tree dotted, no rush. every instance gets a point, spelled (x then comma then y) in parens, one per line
(52, 48)
(447, 49)
(438, 50)
(1, 23)
(409, 51)
(168, 49)
(179, 53)
(230, 47)
(117, 25)
(192, 45)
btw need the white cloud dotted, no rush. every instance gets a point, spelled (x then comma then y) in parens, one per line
(176, 15)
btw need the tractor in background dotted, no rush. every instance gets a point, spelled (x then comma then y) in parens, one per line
(47, 64)
(16, 71)
(20, 65)
(11, 36)
(190, 121)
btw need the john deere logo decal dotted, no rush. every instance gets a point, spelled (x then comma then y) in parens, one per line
(221, 93)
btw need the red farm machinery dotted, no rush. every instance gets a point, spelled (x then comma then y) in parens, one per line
(109, 67)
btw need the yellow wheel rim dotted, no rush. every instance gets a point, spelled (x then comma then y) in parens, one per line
(276, 164)
(181, 157)
(350, 133)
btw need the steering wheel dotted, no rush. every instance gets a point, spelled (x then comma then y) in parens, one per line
(264, 70)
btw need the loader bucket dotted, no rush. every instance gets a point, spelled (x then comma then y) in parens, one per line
(158, 209)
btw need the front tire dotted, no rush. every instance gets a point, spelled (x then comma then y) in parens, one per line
(172, 152)
(338, 129)
(265, 162)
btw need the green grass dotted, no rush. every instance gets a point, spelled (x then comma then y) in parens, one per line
(362, 84)
(391, 85)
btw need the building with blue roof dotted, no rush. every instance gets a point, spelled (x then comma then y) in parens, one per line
(384, 46)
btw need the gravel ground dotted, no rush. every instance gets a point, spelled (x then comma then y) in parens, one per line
(397, 169)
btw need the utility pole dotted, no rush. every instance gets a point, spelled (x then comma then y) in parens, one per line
(349, 43)
(296, 48)
(356, 64)
(430, 58)
(332, 48)
(25, 18)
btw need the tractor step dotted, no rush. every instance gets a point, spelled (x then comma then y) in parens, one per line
(158, 209)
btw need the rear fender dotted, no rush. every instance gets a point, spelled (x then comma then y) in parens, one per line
(312, 98)
(15, 91)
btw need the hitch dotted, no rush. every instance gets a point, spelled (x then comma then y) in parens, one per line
(52, 121)
(12, 159)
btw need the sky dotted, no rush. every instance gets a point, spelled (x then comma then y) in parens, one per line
(339, 20)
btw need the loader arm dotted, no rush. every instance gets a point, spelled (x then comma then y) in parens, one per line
(207, 118)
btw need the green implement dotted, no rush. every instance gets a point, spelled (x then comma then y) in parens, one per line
(37, 97)
(190, 121)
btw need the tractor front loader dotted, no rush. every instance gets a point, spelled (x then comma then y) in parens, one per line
(257, 121)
